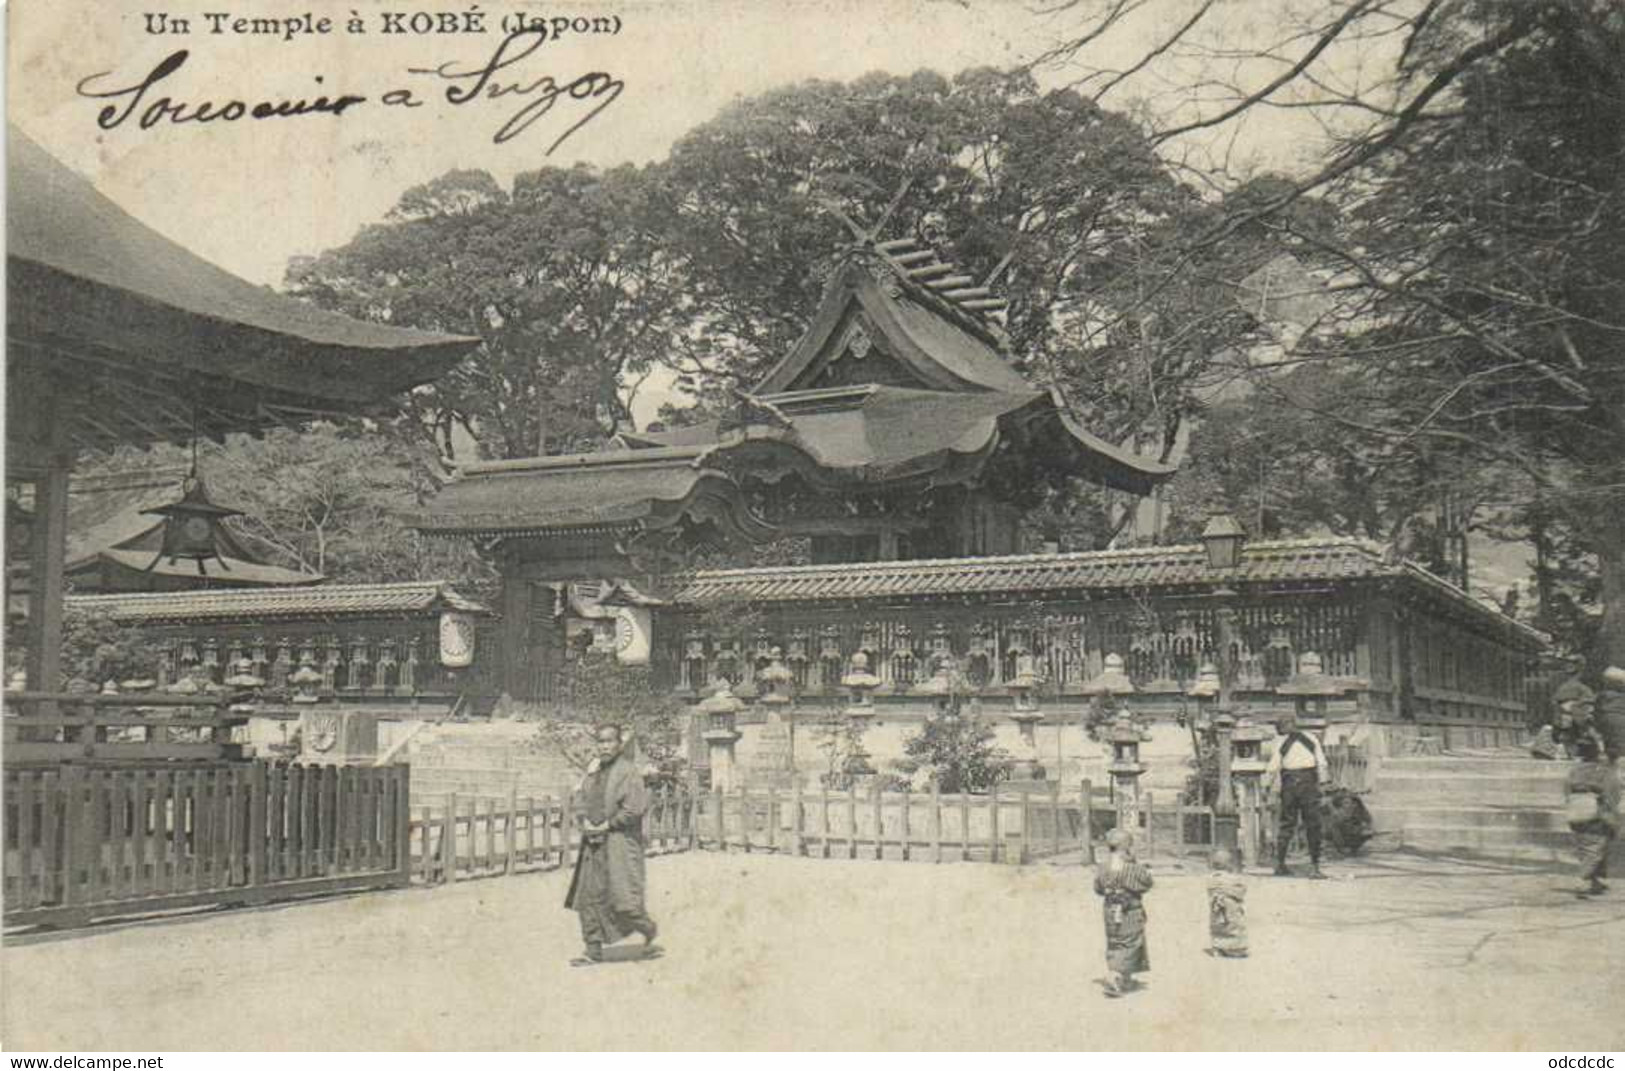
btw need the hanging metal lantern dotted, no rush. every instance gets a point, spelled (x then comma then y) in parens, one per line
(192, 526)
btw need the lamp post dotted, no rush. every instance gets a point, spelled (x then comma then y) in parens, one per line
(1222, 541)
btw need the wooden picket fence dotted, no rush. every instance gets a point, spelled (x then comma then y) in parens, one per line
(84, 841)
(1003, 826)
(484, 836)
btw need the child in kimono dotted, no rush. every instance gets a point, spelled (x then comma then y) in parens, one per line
(1226, 907)
(1122, 881)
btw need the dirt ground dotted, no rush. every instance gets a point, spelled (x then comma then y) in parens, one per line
(780, 953)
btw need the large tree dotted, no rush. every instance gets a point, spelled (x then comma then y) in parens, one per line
(1478, 148)
(567, 278)
(1060, 202)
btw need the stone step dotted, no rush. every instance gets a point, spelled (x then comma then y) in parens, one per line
(1532, 819)
(1468, 789)
(1548, 845)
(1459, 764)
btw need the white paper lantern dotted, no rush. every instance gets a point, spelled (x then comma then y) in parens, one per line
(456, 640)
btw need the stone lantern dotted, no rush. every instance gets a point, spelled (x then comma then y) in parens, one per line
(1125, 768)
(1206, 692)
(242, 677)
(244, 684)
(776, 678)
(774, 755)
(1026, 714)
(860, 711)
(721, 711)
(306, 680)
(1247, 767)
(946, 686)
(1112, 680)
(1310, 688)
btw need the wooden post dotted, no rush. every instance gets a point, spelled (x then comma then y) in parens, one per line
(745, 817)
(964, 827)
(1150, 823)
(516, 598)
(332, 781)
(772, 818)
(402, 780)
(195, 842)
(426, 831)
(1055, 816)
(880, 823)
(1086, 805)
(448, 841)
(1026, 828)
(903, 822)
(823, 834)
(47, 551)
(567, 808)
(20, 788)
(797, 848)
(547, 829)
(74, 832)
(162, 805)
(852, 820)
(52, 798)
(257, 800)
(512, 830)
(530, 831)
(141, 841)
(722, 819)
(936, 823)
(993, 825)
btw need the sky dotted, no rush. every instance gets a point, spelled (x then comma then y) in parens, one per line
(248, 195)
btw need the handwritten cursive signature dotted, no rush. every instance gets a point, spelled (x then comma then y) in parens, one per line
(474, 83)
(496, 78)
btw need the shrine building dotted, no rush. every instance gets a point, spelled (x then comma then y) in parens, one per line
(898, 437)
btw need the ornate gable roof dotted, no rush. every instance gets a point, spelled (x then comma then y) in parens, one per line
(872, 313)
(903, 375)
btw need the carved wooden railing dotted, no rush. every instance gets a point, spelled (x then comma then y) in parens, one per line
(49, 727)
(363, 660)
(1162, 642)
(1162, 646)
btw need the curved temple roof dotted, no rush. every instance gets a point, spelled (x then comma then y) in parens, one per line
(156, 329)
(893, 381)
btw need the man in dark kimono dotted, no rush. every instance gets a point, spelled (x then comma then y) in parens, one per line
(607, 888)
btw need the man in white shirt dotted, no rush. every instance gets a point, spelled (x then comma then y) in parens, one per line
(1298, 768)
